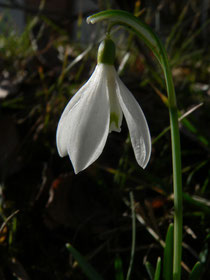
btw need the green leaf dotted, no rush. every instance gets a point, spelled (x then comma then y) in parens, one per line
(196, 272)
(199, 205)
(118, 268)
(133, 244)
(168, 254)
(150, 270)
(158, 269)
(85, 266)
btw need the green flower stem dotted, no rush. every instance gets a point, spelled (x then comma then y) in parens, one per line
(177, 182)
(144, 32)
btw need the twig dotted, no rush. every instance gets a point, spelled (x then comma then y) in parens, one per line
(7, 220)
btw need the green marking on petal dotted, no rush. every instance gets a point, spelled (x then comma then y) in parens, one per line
(114, 119)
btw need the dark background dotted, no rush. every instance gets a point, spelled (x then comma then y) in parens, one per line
(39, 73)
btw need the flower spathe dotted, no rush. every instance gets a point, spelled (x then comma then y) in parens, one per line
(96, 110)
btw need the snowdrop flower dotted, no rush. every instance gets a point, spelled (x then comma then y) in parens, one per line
(96, 110)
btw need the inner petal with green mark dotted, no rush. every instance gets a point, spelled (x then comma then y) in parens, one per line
(114, 122)
(115, 109)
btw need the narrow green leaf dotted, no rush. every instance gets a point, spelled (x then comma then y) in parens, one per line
(133, 244)
(196, 272)
(197, 204)
(175, 34)
(118, 268)
(85, 266)
(150, 270)
(158, 269)
(168, 254)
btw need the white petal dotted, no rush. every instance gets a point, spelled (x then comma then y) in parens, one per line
(87, 123)
(116, 114)
(137, 124)
(62, 133)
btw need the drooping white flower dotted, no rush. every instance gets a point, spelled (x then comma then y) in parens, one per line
(96, 110)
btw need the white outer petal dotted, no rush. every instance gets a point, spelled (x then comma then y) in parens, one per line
(137, 124)
(87, 123)
(62, 133)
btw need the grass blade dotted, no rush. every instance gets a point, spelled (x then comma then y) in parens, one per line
(118, 268)
(196, 272)
(150, 270)
(168, 254)
(158, 269)
(133, 245)
(85, 266)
